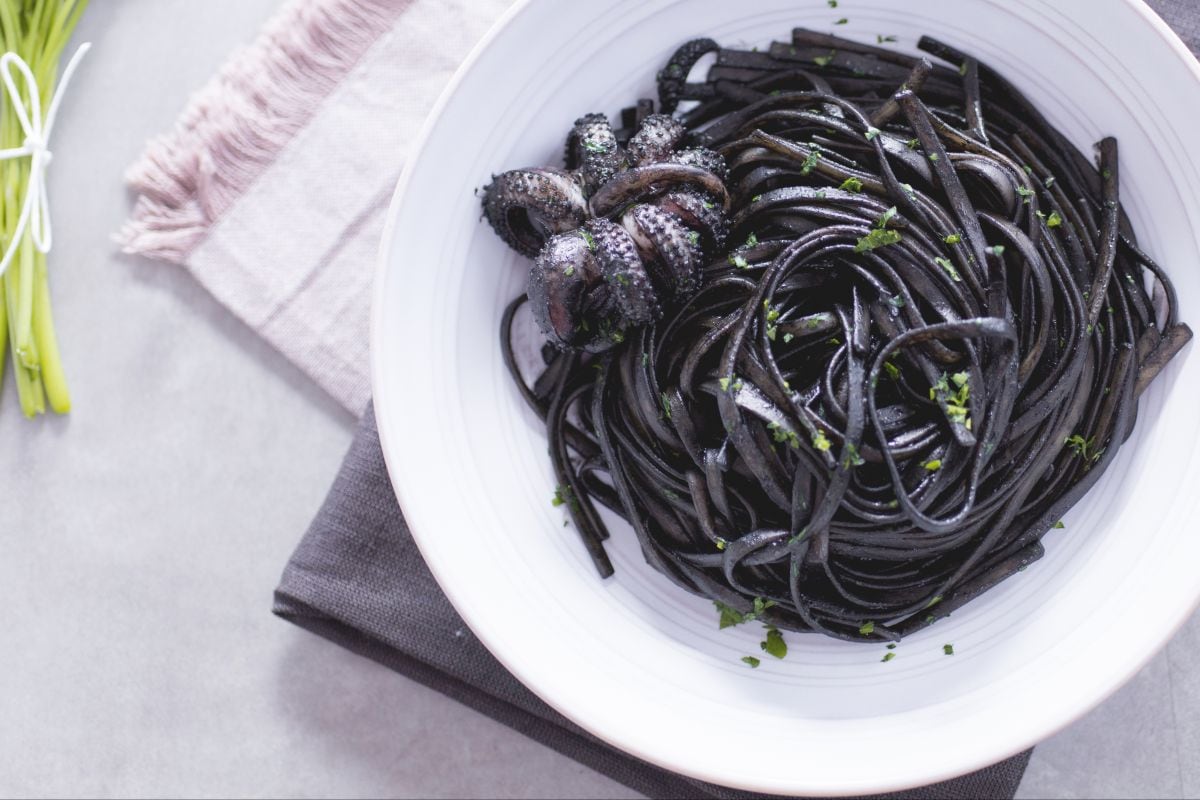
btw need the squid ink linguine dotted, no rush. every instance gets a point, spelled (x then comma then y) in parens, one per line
(847, 336)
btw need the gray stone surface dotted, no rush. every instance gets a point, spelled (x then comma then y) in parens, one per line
(140, 538)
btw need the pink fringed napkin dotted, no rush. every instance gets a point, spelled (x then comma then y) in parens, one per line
(273, 186)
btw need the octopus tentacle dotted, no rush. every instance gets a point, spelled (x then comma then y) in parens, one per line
(674, 75)
(669, 250)
(593, 150)
(563, 275)
(640, 183)
(700, 213)
(656, 139)
(527, 206)
(623, 271)
(703, 158)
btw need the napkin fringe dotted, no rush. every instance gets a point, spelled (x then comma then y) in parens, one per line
(235, 126)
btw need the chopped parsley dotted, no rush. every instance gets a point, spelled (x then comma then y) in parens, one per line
(1049, 182)
(996, 249)
(881, 39)
(1025, 192)
(569, 271)
(751, 660)
(953, 238)
(730, 616)
(783, 435)
(595, 147)
(872, 133)
(693, 237)
(666, 404)
(833, 3)
(564, 496)
(751, 240)
(1084, 448)
(851, 184)
(891, 646)
(948, 649)
(774, 644)
(810, 162)
(876, 239)
(937, 598)
(787, 338)
(721, 543)
(823, 61)
(821, 441)
(1054, 220)
(850, 457)
(887, 217)
(867, 628)
(933, 464)
(1058, 524)
(841, 21)
(913, 144)
(933, 156)
(948, 265)
(892, 370)
(888, 657)
(956, 399)
(587, 237)
(739, 261)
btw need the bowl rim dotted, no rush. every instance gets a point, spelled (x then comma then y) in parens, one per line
(389, 436)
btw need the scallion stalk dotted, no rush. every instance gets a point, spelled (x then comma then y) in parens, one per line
(37, 31)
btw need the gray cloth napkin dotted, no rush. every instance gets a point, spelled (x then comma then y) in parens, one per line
(358, 579)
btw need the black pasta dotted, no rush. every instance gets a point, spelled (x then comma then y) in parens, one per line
(929, 344)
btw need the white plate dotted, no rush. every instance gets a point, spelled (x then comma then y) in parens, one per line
(640, 663)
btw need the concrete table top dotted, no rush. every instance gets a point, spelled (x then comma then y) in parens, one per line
(141, 537)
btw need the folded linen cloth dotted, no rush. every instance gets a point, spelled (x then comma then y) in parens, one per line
(272, 192)
(357, 579)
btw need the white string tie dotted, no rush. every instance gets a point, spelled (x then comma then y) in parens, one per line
(35, 211)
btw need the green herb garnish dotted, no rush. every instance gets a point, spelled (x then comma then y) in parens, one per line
(872, 133)
(867, 628)
(850, 457)
(810, 162)
(933, 464)
(823, 61)
(888, 657)
(851, 184)
(821, 441)
(948, 649)
(751, 660)
(783, 435)
(948, 265)
(1058, 524)
(774, 644)
(730, 616)
(1054, 220)
(880, 39)
(953, 238)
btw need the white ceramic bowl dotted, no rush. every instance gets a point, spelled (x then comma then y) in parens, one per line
(639, 662)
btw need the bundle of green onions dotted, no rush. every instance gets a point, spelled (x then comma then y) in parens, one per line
(37, 31)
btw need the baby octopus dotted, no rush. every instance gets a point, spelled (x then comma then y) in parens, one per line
(618, 234)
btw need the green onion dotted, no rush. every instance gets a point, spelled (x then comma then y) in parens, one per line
(37, 31)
